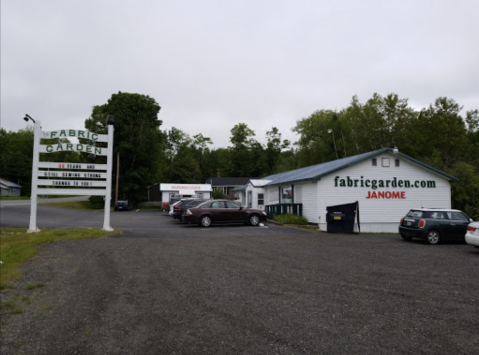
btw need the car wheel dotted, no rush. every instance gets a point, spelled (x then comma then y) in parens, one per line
(254, 220)
(205, 221)
(433, 237)
(406, 237)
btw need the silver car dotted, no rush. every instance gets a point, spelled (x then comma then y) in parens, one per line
(472, 234)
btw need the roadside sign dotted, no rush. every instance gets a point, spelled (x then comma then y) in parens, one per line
(68, 178)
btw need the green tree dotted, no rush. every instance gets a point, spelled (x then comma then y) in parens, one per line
(137, 139)
(274, 147)
(247, 158)
(315, 144)
(440, 129)
(16, 156)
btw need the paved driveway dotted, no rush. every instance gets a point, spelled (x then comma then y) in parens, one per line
(164, 288)
(136, 223)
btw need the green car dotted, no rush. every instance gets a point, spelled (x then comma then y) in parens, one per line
(434, 225)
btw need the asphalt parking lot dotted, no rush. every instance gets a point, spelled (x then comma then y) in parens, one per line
(165, 288)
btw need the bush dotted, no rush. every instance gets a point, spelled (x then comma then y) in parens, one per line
(97, 202)
(290, 218)
(218, 194)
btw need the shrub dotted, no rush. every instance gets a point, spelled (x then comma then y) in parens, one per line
(290, 218)
(97, 202)
(218, 194)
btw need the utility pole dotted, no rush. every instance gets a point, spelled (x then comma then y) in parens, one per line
(334, 141)
(117, 174)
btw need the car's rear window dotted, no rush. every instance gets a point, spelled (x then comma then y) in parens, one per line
(416, 214)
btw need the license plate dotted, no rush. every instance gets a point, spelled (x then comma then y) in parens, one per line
(408, 223)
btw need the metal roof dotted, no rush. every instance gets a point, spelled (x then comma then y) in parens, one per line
(315, 172)
(259, 183)
(240, 188)
(8, 184)
(228, 181)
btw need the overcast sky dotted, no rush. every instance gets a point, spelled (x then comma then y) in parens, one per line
(213, 64)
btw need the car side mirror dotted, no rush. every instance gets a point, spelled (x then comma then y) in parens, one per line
(241, 207)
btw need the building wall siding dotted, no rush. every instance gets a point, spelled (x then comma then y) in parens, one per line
(383, 214)
(254, 194)
(309, 199)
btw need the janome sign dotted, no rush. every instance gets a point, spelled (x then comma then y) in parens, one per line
(64, 178)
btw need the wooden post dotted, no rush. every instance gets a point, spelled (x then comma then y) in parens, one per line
(117, 174)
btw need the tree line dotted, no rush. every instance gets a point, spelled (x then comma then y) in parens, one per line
(437, 135)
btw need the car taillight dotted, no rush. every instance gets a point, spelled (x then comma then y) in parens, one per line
(421, 223)
(402, 219)
(471, 228)
(177, 208)
(188, 212)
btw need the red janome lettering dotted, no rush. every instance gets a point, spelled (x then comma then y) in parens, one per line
(387, 194)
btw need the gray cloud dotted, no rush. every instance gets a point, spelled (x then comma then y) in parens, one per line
(212, 64)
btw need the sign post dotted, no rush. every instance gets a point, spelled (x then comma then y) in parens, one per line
(109, 163)
(63, 178)
(36, 157)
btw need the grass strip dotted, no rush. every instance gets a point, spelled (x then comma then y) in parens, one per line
(17, 246)
(13, 198)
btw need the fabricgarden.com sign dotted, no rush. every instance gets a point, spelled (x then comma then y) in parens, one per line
(374, 184)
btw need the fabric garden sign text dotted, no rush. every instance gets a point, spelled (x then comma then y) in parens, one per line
(64, 178)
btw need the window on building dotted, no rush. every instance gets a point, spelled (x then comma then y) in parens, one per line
(286, 194)
(385, 162)
(250, 199)
(374, 162)
(199, 194)
(397, 162)
(260, 199)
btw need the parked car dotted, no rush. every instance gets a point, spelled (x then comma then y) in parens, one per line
(123, 205)
(434, 225)
(181, 207)
(222, 211)
(472, 234)
(167, 205)
(172, 206)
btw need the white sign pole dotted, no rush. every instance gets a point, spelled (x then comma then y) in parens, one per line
(109, 166)
(34, 195)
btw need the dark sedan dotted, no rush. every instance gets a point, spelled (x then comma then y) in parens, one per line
(222, 211)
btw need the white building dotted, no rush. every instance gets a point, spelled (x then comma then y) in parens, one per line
(185, 190)
(385, 183)
(8, 188)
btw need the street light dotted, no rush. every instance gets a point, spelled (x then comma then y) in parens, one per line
(27, 117)
(334, 141)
